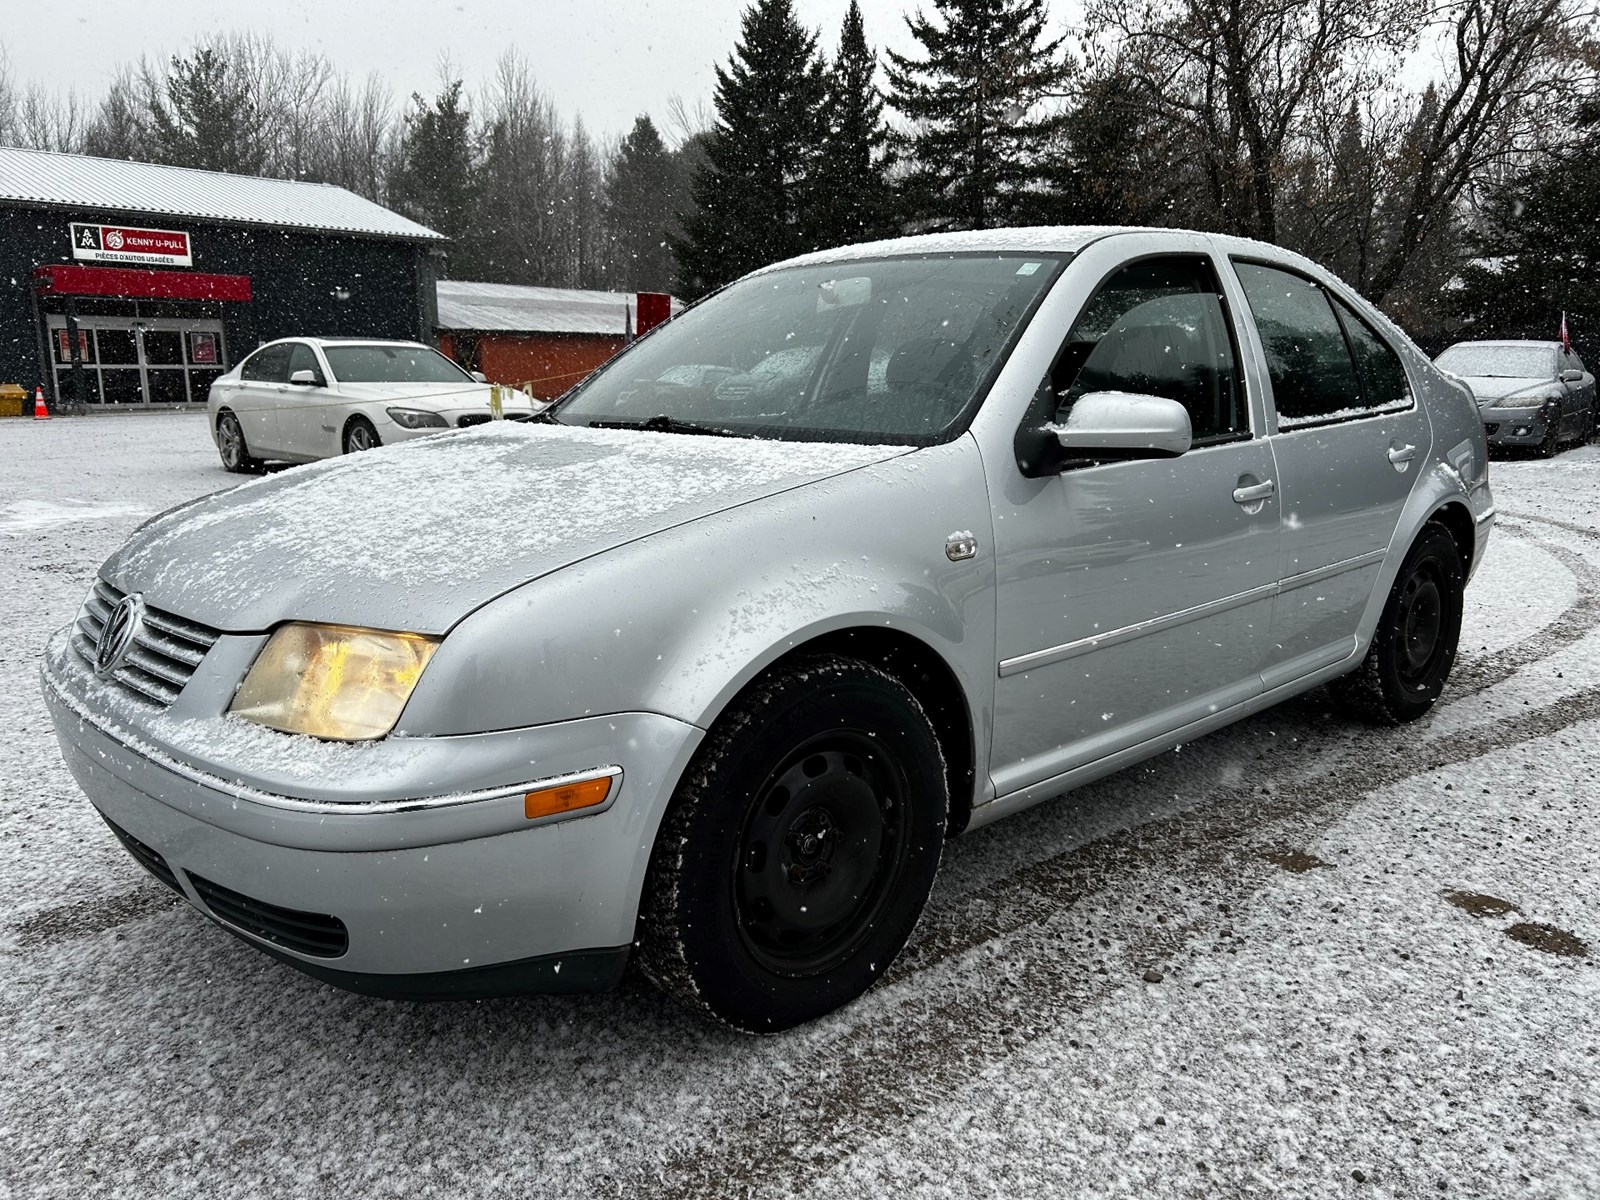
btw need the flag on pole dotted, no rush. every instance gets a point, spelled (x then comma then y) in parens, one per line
(1566, 342)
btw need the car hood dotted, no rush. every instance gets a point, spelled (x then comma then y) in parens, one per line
(1495, 387)
(416, 535)
(431, 396)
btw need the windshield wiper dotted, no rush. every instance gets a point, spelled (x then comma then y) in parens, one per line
(661, 423)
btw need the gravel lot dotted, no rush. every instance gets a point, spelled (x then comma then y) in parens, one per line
(1295, 958)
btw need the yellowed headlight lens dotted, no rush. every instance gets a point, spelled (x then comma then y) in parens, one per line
(333, 681)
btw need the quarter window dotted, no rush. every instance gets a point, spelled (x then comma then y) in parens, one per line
(1383, 379)
(1157, 328)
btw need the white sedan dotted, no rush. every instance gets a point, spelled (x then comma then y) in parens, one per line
(301, 399)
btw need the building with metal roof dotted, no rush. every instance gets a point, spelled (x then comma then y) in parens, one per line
(126, 284)
(77, 181)
(544, 340)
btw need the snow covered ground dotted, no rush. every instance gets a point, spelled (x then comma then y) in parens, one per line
(1295, 958)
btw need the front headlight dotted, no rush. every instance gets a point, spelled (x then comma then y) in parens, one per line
(333, 681)
(416, 418)
(1524, 400)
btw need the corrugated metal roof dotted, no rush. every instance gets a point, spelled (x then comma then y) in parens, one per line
(511, 308)
(77, 181)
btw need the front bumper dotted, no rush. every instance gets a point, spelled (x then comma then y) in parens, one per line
(1515, 426)
(456, 418)
(447, 891)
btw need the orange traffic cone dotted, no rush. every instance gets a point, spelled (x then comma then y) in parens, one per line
(40, 412)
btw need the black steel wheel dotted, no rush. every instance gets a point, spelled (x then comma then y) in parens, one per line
(800, 848)
(231, 445)
(359, 435)
(1414, 646)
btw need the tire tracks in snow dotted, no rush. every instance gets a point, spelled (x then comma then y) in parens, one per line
(1020, 957)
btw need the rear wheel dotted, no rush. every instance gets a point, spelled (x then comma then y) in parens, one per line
(231, 445)
(359, 435)
(1414, 646)
(800, 848)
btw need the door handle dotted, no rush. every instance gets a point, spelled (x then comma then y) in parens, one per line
(1402, 454)
(1254, 493)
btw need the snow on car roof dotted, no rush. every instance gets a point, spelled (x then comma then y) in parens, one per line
(1042, 239)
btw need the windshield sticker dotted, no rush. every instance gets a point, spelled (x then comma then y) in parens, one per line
(1028, 268)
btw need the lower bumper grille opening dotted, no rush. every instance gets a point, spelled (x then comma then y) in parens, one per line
(146, 857)
(315, 934)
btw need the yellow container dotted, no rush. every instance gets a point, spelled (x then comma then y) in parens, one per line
(12, 400)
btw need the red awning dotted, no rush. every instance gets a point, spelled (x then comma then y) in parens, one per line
(67, 279)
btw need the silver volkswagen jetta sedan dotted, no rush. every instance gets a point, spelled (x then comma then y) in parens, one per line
(871, 547)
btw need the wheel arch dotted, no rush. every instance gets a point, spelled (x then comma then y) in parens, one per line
(926, 674)
(1456, 517)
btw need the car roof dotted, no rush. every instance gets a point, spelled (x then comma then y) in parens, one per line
(1508, 342)
(323, 341)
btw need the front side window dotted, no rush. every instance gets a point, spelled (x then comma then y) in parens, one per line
(1157, 328)
(304, 358)
(377, 363)
(892, 350)
(270, 364)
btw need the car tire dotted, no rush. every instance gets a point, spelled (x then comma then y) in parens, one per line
(1551, 446)
(231, 445)
(1415, 643)
(798, 852)
(359, 435)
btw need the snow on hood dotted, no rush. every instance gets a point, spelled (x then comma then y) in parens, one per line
(415, 536)
(1494, 387)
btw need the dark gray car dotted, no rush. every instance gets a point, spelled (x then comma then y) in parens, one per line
(1531, 394)
(870, 548)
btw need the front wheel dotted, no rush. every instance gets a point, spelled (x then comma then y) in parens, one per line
(359, 435)
(800, 848)
(1414, 645)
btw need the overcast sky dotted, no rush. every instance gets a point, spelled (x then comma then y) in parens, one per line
(606, 59)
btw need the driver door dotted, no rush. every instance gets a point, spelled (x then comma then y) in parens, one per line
(1135, 597)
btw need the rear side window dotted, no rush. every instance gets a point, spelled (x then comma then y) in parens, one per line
(270, 364)
(1326, 363)
(1157, 328)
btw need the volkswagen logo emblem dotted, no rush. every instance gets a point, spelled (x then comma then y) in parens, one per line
(122, 626)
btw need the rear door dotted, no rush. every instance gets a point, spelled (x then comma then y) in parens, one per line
(262, 380)
(1349, 441)
(1134, 597)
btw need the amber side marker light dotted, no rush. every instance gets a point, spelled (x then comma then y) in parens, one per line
(568, 797)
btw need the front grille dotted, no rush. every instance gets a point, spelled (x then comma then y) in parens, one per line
(315, 934)
(144, 856)
(165, 651)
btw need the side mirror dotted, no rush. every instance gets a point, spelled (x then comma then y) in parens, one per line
(1123, 425)
(1571, 376)
(480, 376)
(305, 379)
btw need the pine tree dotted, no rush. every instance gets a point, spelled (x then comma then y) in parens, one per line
(434, 181)
(1537, 255)
(642, 177)
(852, 201)
(751, 196)
(978, 155)
(206, 118)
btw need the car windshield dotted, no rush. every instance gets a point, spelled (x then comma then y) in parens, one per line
(883, 350)
(392, 364)
(1483, 360)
